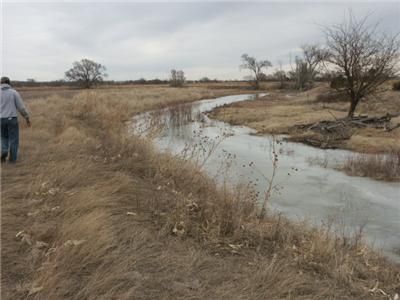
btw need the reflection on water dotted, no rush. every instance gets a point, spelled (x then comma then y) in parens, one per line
(310, 189)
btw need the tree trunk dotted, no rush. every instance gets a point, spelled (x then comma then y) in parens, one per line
(353, 105)
(88, 84)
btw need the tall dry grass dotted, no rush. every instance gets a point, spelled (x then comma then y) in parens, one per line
(378, 166)
(102, 215)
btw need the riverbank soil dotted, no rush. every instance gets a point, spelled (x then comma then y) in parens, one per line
(293, 113)
(89, 212)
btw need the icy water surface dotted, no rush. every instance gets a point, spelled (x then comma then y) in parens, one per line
(307, 186)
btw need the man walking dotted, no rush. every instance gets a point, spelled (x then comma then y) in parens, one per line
(10, 103)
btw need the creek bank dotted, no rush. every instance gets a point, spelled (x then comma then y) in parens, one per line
(332, 134)
(302, 119)
(102, 210)
(314, 191)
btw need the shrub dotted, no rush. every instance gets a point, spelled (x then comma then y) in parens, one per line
(333, 96)
(338, 82)
(396, 86)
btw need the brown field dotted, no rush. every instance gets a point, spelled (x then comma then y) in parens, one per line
(278, 112)
(102, 215)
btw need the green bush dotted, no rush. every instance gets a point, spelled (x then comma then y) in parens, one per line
(396, 86)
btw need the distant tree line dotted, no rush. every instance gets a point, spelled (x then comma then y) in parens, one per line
(61, 83)
(141, 81)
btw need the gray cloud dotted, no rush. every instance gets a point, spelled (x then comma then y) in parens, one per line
(133, 40)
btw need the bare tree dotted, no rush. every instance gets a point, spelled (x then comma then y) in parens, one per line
(365, 57)
(314, 56)
(280, 75)
(256, 67)
(177, 78)
(307, 66)
(86, 72)
(300, 73)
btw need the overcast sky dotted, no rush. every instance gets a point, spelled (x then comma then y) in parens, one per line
(143, 39)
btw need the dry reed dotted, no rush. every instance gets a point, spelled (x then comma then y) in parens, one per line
(377, 166)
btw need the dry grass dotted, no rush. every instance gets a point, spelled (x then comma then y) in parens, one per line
(104, 216)
(278, 112)
(381, 167)
(333, 96)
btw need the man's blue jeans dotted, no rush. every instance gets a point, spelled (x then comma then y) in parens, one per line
(9, 138)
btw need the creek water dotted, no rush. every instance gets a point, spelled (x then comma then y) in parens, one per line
(306, 185)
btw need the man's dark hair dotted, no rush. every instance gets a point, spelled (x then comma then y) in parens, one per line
(5, 80)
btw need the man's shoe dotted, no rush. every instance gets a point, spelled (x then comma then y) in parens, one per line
(3, 157)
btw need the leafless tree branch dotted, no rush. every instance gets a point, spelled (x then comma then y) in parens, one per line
(362, 55)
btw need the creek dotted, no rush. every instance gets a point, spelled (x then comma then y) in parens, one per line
(306, 185)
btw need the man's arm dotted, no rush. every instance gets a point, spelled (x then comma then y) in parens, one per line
(19, 104)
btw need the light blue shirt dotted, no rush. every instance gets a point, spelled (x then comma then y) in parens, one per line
(11, 102)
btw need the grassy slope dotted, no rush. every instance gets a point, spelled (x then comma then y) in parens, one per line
(80, 174)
